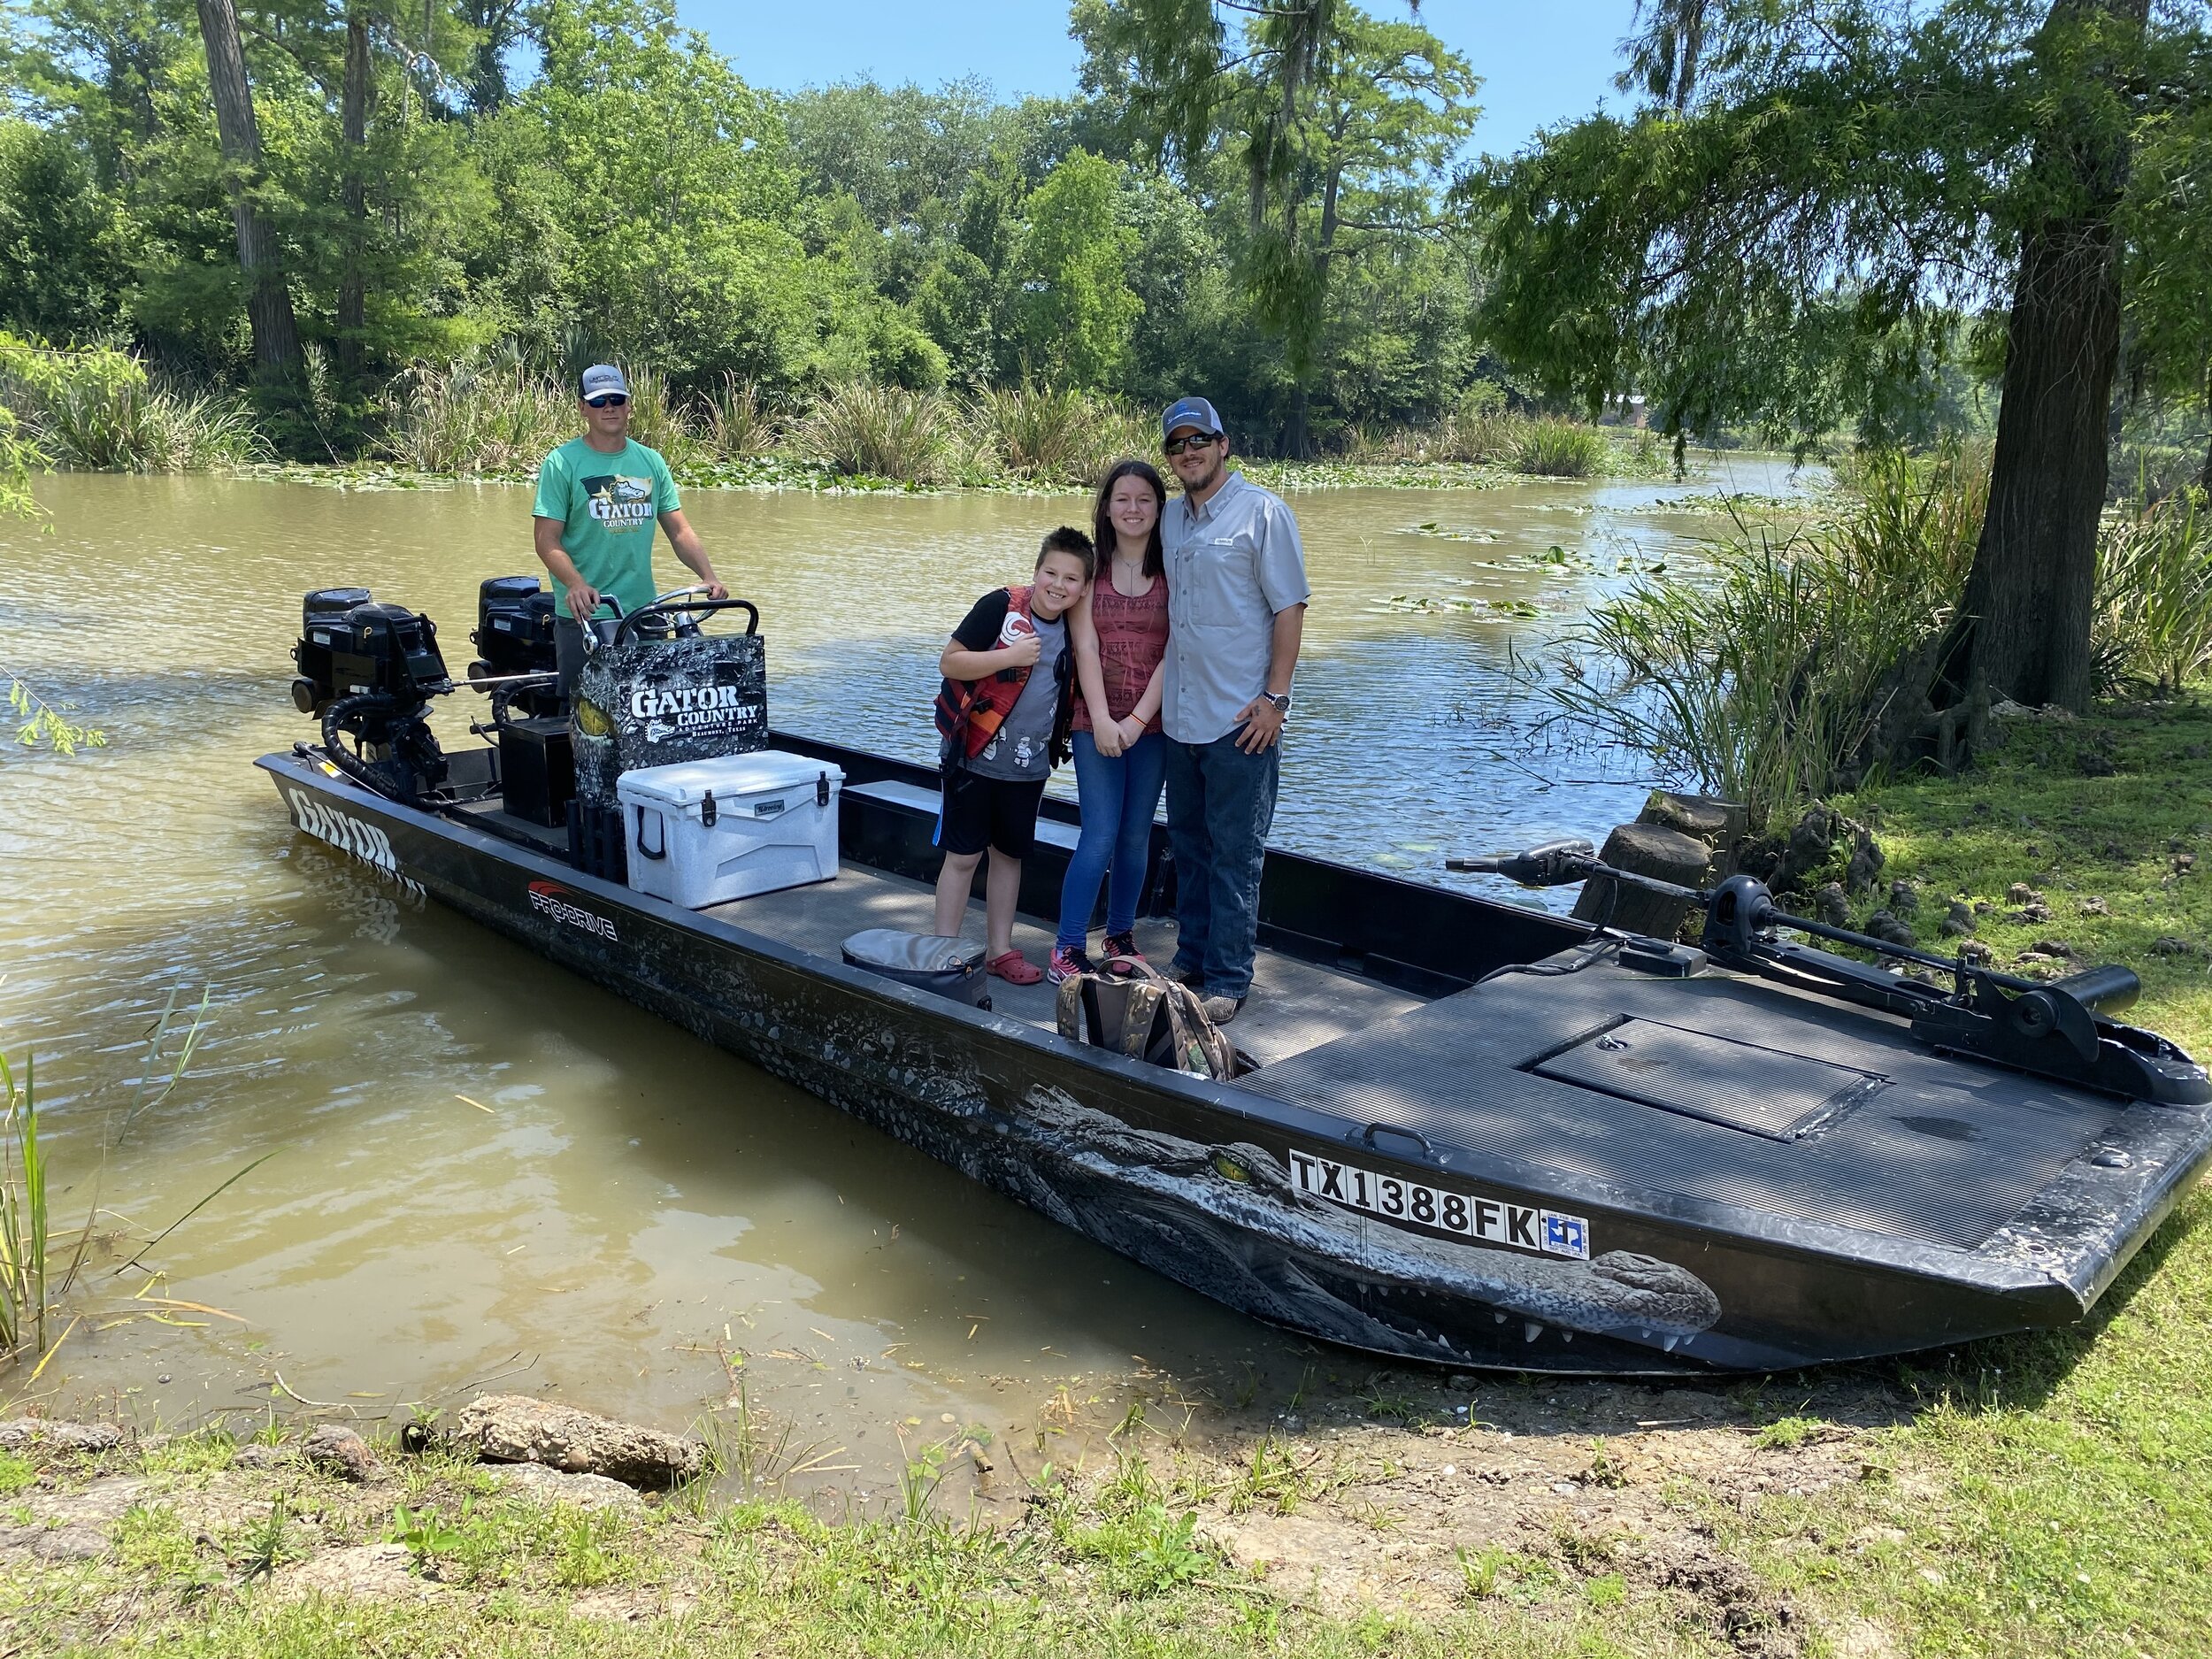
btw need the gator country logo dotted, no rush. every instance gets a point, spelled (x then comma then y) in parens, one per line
(621, 502)
(348, 834)
(551, 900)
(695, 710)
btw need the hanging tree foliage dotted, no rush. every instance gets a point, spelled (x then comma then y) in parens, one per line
(1790, 229)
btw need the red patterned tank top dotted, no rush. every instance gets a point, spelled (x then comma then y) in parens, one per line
(1132, 640)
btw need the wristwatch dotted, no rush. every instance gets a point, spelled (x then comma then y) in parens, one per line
(1281, 699)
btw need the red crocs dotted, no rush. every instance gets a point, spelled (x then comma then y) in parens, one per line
(1015, 969)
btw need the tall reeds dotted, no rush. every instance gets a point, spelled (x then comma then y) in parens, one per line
(468, 419)
(1552, 448)
(27, 1290)
(1064, 437)
(2155, 594)
(882, 432)
(99, 409)
(1763, 678)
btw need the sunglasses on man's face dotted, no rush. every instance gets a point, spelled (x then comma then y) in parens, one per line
(1196, 441)
(607, 400)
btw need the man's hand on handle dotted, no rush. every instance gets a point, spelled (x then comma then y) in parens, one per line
(1261, 724)
(583, 599)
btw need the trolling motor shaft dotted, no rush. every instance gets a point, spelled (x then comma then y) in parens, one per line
(2060, 1028)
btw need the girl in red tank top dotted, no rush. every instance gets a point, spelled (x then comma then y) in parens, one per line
(1119, 634)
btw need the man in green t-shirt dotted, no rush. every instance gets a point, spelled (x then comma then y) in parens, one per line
(599, 497)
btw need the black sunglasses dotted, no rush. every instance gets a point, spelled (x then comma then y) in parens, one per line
(1196, 441)
(607, 400)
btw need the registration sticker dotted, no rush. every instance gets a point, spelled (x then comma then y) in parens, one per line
(1492, 1220)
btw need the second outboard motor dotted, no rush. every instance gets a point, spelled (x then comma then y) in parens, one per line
(514, 635)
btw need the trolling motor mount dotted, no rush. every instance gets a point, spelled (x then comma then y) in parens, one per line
(2061, 1029)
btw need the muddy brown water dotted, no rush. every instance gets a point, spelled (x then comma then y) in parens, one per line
(480, 1170)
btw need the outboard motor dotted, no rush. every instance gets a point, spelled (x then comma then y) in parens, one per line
(369, 670)
(514, 635)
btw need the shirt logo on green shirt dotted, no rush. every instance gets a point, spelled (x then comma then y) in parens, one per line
(620, 502)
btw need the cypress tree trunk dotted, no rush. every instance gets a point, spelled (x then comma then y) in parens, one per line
(2028, 597)
(354, 125)
(276, 334)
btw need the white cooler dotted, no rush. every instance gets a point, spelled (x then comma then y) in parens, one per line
(702, 832)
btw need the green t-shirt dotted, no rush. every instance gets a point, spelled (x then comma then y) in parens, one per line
(607, 506)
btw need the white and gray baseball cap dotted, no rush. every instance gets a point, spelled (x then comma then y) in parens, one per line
(1190, 411)
(600, 378)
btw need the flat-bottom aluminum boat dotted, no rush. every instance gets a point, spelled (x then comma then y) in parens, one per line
(1477, 1135)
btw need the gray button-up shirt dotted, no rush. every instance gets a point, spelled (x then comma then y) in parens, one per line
(1232, 565)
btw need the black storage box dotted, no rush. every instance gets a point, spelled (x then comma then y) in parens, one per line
(595, 844)
(537, 769)
(930, 962)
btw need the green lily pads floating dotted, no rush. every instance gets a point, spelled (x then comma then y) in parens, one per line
(1448, 533)
(1423, 605)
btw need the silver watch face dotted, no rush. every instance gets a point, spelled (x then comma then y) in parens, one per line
(1281, 700)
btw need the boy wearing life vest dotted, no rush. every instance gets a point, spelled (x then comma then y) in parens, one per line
(1003, 716)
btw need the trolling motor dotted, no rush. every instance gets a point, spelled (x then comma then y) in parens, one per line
(369, 672)
(2059, 1028)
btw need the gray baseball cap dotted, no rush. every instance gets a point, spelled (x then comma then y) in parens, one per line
(600, 378)
(1190, 411)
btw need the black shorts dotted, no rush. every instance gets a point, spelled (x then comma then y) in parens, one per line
(996, 812)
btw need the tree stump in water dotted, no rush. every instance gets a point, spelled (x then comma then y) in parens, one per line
(1646, 849)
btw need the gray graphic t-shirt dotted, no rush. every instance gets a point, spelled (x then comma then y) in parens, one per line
(1018, 749)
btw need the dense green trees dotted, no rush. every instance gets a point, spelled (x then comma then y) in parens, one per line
(341, 189)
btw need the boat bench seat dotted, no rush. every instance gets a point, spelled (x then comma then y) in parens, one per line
(913, 797)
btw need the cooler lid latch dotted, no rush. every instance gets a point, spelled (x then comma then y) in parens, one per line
(821, 790)
(707, 812)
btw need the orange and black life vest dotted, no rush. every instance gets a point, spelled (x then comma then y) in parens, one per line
(971, 711)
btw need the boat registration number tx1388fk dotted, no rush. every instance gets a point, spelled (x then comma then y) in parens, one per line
(1490, 1220)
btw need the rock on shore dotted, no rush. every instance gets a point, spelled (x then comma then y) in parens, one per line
(515, 1429)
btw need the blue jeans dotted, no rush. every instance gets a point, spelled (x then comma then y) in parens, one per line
(1119, 797)
(1220, 803)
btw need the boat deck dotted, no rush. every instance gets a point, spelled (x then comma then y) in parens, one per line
(1718, 1088)
(1295, 1005)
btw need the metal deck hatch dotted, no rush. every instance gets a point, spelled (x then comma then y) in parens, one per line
(1761, 1091)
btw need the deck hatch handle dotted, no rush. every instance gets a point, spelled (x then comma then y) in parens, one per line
(1367, 1137)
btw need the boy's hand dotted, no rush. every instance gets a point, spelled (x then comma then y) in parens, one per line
(1023, 652)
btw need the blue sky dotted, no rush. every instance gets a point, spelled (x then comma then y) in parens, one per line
(1540, 60)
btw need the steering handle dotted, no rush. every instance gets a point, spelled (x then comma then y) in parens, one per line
(693, 607)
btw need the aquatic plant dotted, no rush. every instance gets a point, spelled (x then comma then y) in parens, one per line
(97, 409)
(735, 421)
(1551, 447)
(1059, 437)
(2153, 605)
(467, 418)
(1767, 679)
(882, 432)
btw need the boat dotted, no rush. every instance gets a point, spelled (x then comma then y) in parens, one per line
(1474, 1133)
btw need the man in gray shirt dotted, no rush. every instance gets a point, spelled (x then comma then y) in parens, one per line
(1236, 588)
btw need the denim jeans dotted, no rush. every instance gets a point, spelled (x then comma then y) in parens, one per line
(1220, 803)
(1119, 797)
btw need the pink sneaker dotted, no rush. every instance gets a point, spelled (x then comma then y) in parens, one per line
(1015, 969)
(1120, 947)
(1066, 964)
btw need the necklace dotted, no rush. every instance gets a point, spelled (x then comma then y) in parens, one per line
(1130, 581)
